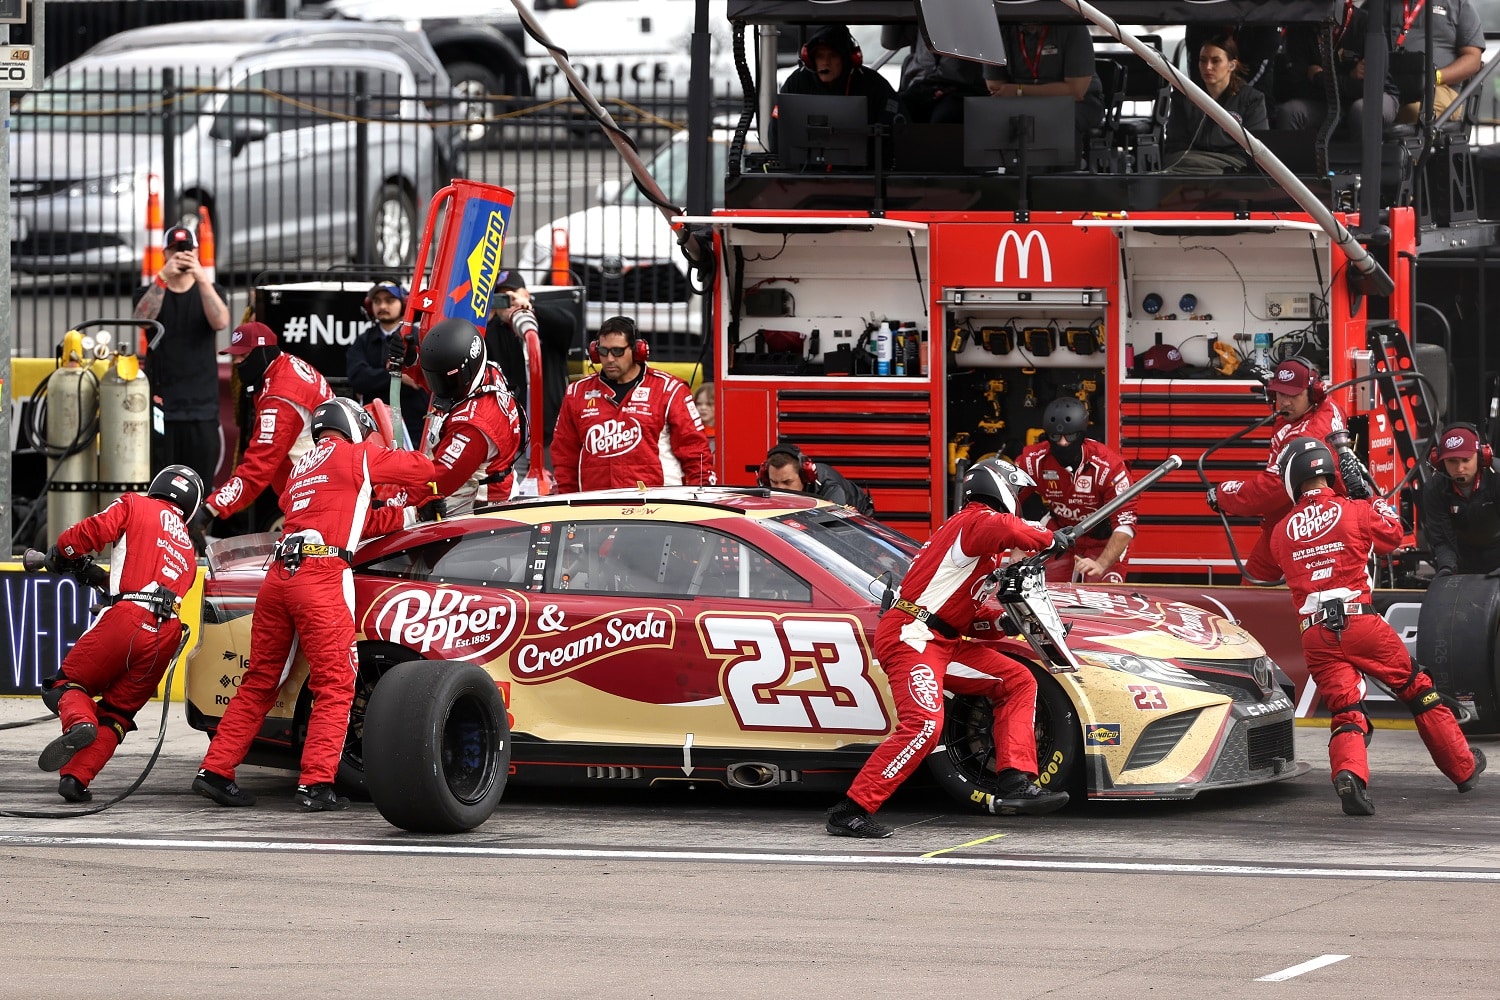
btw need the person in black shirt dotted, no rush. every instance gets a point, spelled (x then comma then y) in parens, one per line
(1051, 60)
(183, 367)
(786, 468)
(366, 358)
(557, 330)
(1195, 144)
(1461, 504)
(831, 64)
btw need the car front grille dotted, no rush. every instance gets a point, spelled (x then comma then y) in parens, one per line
(1160, 738)
(652, 283)
(1269, 742)
(60, 244)
(1252, 749)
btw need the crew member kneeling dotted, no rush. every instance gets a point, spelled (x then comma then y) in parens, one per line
(121, 658)
(919, 639)
(1324, 546)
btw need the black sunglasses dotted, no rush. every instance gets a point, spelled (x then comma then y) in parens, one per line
(613, 352)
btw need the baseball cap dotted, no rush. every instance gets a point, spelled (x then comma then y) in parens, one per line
(180, 234)
(1460, 442)
(1162, 358)
(248, 336)
(390, 287)
(510, 279)
(1289, 378)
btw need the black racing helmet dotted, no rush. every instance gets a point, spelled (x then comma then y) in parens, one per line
(345, 416)
(452, 358)
(997, 482)
(1302, 459)
(1065, 418)
(178, 485)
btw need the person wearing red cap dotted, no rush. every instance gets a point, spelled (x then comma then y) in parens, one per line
(1461, 503)
(1302, 410)
(181, 365)
(286, 390)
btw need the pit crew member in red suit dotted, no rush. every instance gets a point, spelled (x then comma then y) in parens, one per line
(1302, 410)
(475, 430)
(919, 647)
(307, 597)
(121, 658)
(1075, 476)
(287, 390)
(629, 423)
(1323, 545)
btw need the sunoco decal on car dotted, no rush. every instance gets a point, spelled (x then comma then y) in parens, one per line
(445, 620)
(1102, 734)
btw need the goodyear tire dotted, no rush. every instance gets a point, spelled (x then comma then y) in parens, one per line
(964, 762)
(1456, 643)
(437, 746)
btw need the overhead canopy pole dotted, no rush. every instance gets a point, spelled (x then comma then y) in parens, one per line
(1375, 280)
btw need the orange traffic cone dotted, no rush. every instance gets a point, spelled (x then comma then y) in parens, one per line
(206, 243)
(154, 259)
(561, 265)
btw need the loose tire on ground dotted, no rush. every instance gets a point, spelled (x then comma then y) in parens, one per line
(1456, 643)
(964, 762)
(436, 746)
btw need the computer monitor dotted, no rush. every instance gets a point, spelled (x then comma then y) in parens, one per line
(996, 128)
(818, 130)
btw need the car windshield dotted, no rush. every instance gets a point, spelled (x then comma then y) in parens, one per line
(113, 99)
(852, 547)
(669, 168)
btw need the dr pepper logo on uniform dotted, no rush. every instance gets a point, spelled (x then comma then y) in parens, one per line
(1312, 522)
(612, 437)
(443, 619)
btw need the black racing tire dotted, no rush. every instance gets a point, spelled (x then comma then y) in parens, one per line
(963, 764)
(375, 661)
(1456, 643)
(437, 746)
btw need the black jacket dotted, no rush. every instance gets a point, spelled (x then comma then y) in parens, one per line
(1463, 531)
(1189, 128)
(365, 365)
(833, 487)
(557, 329)
(856, 81)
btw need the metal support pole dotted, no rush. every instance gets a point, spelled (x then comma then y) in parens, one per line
(1377, 62)
(364, 238)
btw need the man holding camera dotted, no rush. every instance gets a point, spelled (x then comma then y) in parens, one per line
(504, 340)
(183, 370)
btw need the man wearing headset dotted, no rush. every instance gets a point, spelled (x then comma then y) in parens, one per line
(1075, 476)
(365, 360)
(1461, 504)
(831, 64)
(1302, 410)
(628, 423)
(786, 468)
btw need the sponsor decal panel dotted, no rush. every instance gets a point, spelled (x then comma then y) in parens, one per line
(444, 620)
(555, 651)
(1102, 734)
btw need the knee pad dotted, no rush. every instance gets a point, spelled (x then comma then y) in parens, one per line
(120, 721)
(53, 689)
(1424, 702)
(1365, 727)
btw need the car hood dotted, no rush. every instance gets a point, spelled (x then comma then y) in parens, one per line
(1119, 622)
(637, 233)
(44, 156)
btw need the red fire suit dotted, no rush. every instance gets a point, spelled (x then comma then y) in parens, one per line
(292, 390)
(920, 662)
(1072, 495)
(611, 436)
(326, 499)
(1265, 496)
(121, 658)
(1323, 546)
(477, 443)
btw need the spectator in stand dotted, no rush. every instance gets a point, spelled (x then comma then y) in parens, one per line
(384, 304)
(183, 371)
(1461, 504)
(703, 399)
(1457, 51)
(1195, 145)
(1051, 60)
(628, 424)
(557, 330)
(786, 468)
(831, 64)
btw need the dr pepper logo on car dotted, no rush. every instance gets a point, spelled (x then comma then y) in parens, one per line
(444, 620)
(562, 646)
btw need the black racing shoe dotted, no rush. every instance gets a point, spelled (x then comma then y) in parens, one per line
(318, 798)
(848, 819)
(1467, 785)
(1351, 789)
(221, 789)
(1029, 799)
(73, 790)
(61, 750)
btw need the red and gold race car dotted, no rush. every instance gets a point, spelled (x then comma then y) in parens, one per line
(722, 635)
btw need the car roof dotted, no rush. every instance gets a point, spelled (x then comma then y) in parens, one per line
(237, 38)
(754, 501)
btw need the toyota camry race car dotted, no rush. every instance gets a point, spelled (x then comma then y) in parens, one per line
(722, 635)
